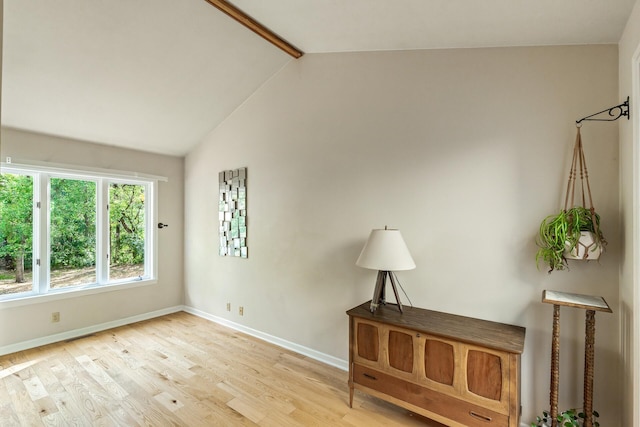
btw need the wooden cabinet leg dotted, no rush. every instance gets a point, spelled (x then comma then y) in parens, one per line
(350, 396)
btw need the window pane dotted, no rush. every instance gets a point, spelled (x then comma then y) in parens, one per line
(73, 232)
(16, 233)
(127, 231)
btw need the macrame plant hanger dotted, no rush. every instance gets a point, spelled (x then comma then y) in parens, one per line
(580, 162)
(610, 114)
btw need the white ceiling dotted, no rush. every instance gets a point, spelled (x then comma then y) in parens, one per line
(365, 25)
(158, 75)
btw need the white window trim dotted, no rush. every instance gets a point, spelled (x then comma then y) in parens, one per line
(75, 292)
(27, 165)
(47, 170)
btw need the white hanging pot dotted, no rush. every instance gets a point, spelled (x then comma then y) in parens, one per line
(587, 248)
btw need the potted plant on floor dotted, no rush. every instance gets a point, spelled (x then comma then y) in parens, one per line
(575, 232)
(568, 418)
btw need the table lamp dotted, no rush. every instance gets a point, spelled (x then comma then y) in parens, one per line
(386, 252)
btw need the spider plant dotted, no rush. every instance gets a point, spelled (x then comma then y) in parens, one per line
(561, 232)
(568, 418)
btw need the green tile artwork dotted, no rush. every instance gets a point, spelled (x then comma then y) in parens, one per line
(232, 212)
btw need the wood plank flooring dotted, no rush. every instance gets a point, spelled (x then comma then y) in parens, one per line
(181, 370)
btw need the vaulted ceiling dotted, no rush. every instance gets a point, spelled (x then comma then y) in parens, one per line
(158, 75)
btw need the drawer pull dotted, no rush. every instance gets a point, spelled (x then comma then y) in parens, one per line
(371, 377)
(480, 417)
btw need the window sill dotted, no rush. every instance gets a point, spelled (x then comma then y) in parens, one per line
(76, 292)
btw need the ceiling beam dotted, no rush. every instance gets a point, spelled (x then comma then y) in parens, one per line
(256, 27)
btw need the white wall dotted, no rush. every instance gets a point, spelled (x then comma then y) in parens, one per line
(629, 63)
(23, 323)
(465, 151)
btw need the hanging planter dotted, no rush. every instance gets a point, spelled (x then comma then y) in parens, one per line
(587, 247)
(575, 232)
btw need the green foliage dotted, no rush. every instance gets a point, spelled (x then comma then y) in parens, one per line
(5, 276)
(126, 216)
(562, 230)
(16, 210)
(73, 223)
(568, 418)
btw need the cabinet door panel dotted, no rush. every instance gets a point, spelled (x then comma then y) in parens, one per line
(484, 374)
(439, 361)
(367, 341)
(400, 351)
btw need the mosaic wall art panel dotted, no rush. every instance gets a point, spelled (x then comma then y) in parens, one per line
(232, 212)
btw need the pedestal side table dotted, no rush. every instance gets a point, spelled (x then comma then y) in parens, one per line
(591, 304)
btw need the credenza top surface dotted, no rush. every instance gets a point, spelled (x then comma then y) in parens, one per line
(485, 333)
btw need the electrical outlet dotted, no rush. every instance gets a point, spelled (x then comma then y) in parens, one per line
(55, 317)
(241, 311)
(228, 306)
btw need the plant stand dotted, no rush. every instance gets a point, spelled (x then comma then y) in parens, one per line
(591, 304)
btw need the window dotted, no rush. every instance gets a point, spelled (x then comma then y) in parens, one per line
(127, 230)
(16, 232)
(64, 230)
(72, 232)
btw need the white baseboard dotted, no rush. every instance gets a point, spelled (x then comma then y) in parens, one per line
(306, 351)
(63, 336)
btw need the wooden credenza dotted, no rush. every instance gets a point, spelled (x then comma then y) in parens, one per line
(455, 370)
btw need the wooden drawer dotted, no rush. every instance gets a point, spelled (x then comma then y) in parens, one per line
(431, 401)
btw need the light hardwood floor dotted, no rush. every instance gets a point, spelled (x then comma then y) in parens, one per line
(181, 370)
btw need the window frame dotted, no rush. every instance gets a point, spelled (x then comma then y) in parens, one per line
(42, 173)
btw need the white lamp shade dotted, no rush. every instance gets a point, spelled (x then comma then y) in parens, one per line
(385, 250)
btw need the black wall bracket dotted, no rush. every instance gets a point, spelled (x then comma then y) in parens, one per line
(615, 112)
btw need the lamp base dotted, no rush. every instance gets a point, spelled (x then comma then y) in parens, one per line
(379, 290)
